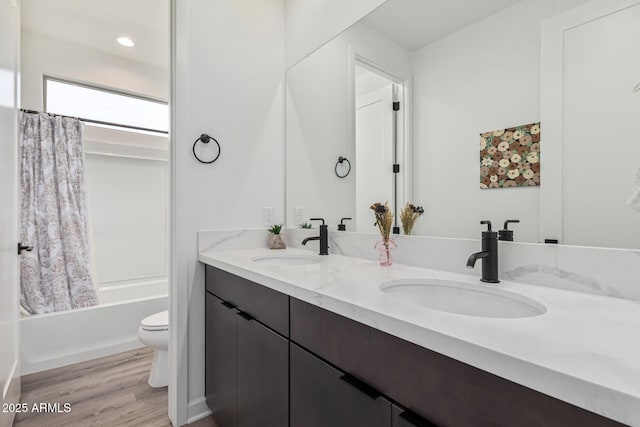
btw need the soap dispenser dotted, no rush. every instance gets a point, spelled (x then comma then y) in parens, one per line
(342, 226)
(505, 234)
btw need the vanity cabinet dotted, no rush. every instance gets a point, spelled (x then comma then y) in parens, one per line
(246, 359)
(322, 396)
(439, 390)
(273, 360)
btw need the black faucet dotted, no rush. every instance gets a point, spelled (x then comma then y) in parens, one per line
(505, 234)
(489, 255)
(323, 237)
(342, 226)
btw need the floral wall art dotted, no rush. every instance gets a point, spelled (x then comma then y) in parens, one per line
(510, 157)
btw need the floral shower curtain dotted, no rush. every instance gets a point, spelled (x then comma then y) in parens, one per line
(56, 275)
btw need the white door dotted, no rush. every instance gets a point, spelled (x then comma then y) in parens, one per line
(374, 154)
(9, 340)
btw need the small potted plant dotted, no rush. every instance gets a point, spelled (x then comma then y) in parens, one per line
(384, 219)
(275, 238)
(306, 226)
(408, 217)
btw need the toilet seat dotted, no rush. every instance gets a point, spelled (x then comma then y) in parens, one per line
(156, 322)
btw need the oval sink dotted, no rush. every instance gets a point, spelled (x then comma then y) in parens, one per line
(287, 259)
(463, 298)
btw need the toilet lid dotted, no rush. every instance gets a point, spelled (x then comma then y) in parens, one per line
(156, 322)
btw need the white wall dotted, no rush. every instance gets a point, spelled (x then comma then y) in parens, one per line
(128, 206)
(56, 58)
(481, 78)
(311, 23)
(129, 232)
(229, 59)
(320, 115)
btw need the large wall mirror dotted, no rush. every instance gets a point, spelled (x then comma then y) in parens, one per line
(416, 83)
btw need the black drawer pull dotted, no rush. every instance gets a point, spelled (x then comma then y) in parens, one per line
(228, 305)
(245, 316)
(416, 420)
(363, 387)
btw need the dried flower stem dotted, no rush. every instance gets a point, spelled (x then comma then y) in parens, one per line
(409, 215)
(384, 218)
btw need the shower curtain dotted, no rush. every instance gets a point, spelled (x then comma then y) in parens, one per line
(56, 275)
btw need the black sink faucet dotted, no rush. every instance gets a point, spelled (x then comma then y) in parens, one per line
(323, 237)
(489, 255)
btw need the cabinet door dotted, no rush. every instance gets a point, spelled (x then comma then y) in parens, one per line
(263, 375)
(221, 360)
(323, 396)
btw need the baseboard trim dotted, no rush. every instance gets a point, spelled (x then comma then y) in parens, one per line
(33, 366)
(197, 410)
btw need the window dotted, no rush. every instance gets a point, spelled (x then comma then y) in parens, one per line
(105, 107)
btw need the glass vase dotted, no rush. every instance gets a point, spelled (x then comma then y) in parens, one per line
(386, 246)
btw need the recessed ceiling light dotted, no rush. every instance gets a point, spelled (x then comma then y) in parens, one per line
(125, 41)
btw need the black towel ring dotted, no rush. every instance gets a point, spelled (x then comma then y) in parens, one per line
(205, 139)
(339, 162)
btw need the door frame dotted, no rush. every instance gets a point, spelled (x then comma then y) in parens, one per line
(12, 389)
(405, 148)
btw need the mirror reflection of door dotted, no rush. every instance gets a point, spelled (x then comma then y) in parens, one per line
(378, 136)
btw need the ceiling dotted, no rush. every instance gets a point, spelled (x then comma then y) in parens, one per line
(97, 23)
(415, 23)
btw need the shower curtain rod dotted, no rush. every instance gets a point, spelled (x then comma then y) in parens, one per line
(98, 122)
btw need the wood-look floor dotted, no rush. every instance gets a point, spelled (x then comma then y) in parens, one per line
(110, 391)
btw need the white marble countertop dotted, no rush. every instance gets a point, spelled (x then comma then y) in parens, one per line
(585, 349)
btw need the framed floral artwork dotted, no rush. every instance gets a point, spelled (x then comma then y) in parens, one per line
(510, 157)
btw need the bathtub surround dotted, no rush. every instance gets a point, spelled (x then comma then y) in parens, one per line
(101, 330)
(54, 217)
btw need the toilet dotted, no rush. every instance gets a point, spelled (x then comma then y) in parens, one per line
(154, 332)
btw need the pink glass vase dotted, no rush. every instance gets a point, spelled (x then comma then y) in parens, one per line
(385, 246)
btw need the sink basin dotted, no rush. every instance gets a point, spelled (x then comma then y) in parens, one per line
(463, 298)
(287, 259)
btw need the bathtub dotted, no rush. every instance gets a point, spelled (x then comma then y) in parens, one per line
(59, 339)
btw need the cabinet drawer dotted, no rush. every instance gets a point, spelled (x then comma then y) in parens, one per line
(322, 396)
(265, 305)
(438, 388)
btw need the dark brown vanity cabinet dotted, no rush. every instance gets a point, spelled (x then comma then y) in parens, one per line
(275, 361)
(246, 360)
(438, 390)
(322, 396)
